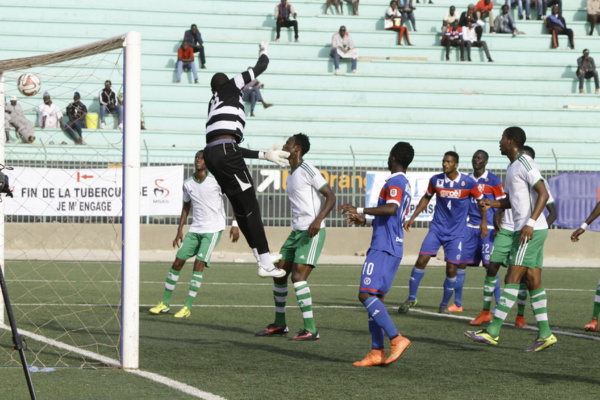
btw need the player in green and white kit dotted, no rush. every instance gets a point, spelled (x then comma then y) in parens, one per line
(526, 196)
(592, 326)
(301, 250)
(202, 194)
(503, 223)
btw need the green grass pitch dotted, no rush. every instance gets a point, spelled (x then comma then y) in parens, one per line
(215, 350)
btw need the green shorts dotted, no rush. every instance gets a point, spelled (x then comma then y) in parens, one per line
(530, 254)
(502, 246)
(301, 249)
(200, 245)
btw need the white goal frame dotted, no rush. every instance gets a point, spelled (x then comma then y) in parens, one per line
(130, 248)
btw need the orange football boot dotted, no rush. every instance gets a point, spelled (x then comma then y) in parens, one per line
(520, 322)
(592, 326)
(398, 345)
(455, 308)
(374, 358)
(484, 316)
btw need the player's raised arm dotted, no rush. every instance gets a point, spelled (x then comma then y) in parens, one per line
(595, 214)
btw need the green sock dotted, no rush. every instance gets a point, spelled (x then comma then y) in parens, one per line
(522, 299)
(488, 291)
(597, 302)
(305, 302)
(172, 278)
(195, 284)
(509, 296)
(540, 311)
(280, 297)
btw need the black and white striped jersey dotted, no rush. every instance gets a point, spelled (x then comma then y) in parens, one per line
(226, 114)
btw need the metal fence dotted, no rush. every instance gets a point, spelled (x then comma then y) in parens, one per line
(346, 177)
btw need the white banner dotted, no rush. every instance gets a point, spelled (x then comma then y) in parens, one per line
(418, 183)
(92, 192)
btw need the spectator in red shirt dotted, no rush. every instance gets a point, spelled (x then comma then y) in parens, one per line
(453, 37)
(483, 9)
(185, 61)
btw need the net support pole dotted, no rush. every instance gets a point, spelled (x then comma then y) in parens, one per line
(2, 239)
(130, 268)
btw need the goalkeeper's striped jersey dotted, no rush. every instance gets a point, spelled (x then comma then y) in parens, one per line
(207, 204)
(226, 114)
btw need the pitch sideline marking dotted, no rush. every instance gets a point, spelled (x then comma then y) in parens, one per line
(182, 387)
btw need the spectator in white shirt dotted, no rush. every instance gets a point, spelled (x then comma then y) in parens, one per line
(449, 18)
(51, 116)
(470, 40)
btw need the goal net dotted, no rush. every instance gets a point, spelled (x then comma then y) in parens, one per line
(69, 239)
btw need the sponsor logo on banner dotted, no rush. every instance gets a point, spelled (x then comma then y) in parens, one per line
(93, 192)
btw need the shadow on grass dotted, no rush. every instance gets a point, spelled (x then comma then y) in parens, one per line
(548, 378)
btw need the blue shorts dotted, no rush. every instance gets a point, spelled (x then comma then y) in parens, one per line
(475, 249)
(378, 272)
(452, 246)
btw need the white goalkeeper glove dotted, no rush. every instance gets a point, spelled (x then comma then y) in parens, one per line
(262, 48)
(276, 156)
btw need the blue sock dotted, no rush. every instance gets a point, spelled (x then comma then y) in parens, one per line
(379, 314)
(376, 335)
(497, 293)
(449, 285)
(461, 274)
(415, 280)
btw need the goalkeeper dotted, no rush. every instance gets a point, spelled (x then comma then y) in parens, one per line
(225, 159)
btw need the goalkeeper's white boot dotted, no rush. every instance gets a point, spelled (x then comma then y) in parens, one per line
(270, 271)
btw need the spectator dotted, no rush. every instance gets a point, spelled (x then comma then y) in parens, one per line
(557, 25)
(449, 18)
(251, 93)
(469, 40)
(51, 114)
(76, 112)
(406, 8)
(593, 14)
(393, 22)
(453, 37)
(108, 102)
(519, 4)
(483, 9)
(342, 46)
(338, 7)
(282, 15)
(354, 6)
(185, 61)
(14, 116)
(586, 69)
(194, 39)
(471, 16)
(504, 23)
(552, 3)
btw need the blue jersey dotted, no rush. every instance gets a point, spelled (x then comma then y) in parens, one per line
(452, 203)
(491, 187)
(388, 233)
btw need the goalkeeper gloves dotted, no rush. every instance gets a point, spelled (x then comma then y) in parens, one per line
(276, 156)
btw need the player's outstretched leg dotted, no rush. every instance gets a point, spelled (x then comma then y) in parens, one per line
(540, 311)
(593, 325)
(165, 305)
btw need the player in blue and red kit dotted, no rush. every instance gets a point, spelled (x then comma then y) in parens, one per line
(454, 191)
(384, 255)
(478, 243)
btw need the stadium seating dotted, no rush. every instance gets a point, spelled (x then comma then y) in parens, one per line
(400, 92)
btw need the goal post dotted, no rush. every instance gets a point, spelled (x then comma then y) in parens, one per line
(130, 43)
